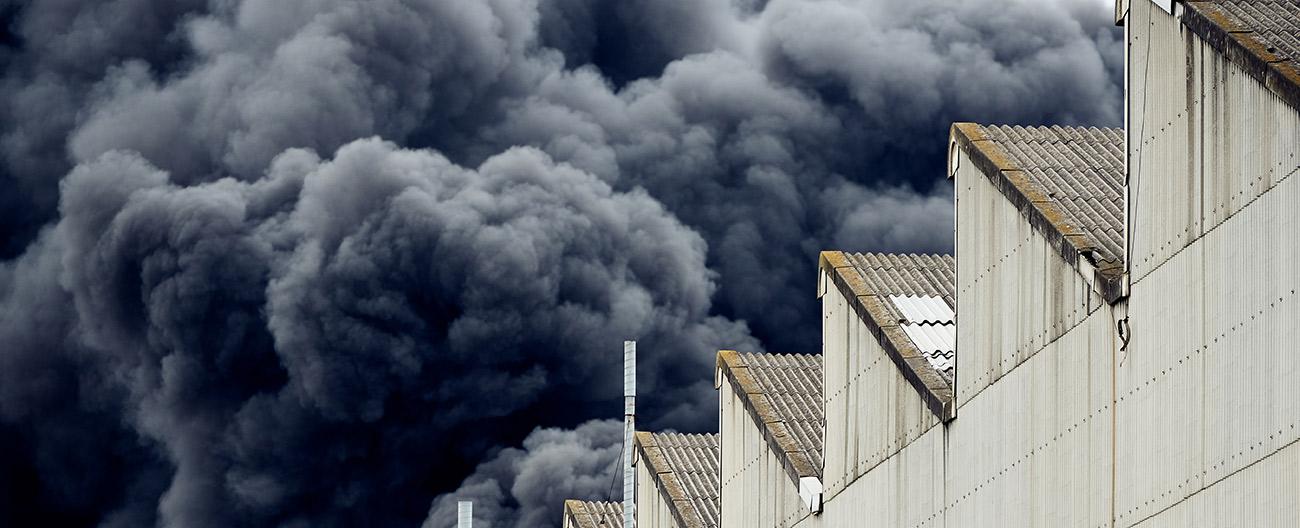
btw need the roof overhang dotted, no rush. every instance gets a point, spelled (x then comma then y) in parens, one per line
(590, 514)
(797, 464)
(870, 308)
(670, 488)
(1105, 276)
(1243, 47)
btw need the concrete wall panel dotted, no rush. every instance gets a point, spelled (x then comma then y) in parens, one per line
(756, 490)
(1015, 293)
(906, 490)
(651, 508)
(1207, 384)
(1212, 138)
(872, 411)
(1263, 494)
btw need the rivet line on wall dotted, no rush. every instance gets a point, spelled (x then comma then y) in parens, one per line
(1169, 369)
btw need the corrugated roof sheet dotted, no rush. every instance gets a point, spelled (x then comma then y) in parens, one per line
(888, 292)
(932, 326)
(908, 274)
(782, 393)
(688, 466)
(1264, 36)
(793, 384)
(923, 309)
(1079, 169)
(1276, 23)
(593, 514)
(922, 290)
(939, 344)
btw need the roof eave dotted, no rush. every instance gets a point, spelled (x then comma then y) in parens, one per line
(1241, 46)
(577, 511)
(794, 461)
(915, 367)
(674, 496)
(1071, 243)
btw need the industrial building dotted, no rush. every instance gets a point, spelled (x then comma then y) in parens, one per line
(592, 514)
(1112, 344)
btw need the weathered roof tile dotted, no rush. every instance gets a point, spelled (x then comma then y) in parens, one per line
(1080, 169)
(907, 301)
(593, 514)
(691, 463)
(1260, 36)
(783, 393)
(1068, 182)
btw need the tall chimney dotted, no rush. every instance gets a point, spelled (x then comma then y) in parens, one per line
(629, 429)
(464, 514)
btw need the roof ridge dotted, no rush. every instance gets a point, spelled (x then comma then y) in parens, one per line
(1001, 157)
(1246, 40)
(780, 354)
(684, 487)
(799, 451)
(867, 295)
(910, 255)
(585, 513)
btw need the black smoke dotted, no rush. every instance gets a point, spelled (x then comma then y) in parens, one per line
(523, 486)
(292, 262)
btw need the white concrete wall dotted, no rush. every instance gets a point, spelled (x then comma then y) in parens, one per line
(1195, 423)
(1265, 494)
(756, 491)
(1210, 384)
(1208, 389)
(1033, 449)
(1015, 293)
(1212, 138)
(1032, 444)
(872, 411)
(651, 508)
(906, 490)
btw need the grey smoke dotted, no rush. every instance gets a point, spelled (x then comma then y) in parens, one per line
(345, 308)
(271, 262)
(520, 487)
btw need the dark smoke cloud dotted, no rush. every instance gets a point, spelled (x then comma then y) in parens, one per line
(521, 487)
(755, 143)
(348, 308)
(52, 55)
(291, 262)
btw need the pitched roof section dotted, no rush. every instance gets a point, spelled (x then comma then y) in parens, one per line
(592, 514)
(1081, 170)
(783, 393)
(1260, 36)
(932, 326)
(686, 468)
(1068, 182)
(925, 356)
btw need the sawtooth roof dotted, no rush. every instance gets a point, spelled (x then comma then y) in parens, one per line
(783, 393)
(1261, 36)
(593, 514)
(871, 282)
(686, 467)
(1067, 181)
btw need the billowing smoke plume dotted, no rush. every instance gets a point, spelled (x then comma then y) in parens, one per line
(322, 262)
(275, 338)
(521, 487)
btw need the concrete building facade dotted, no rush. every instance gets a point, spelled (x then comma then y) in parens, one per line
(1114, 342)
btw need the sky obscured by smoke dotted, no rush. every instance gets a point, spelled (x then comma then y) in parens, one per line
(327, 262)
